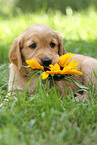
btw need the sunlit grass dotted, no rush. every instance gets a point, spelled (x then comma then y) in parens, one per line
(43, 118)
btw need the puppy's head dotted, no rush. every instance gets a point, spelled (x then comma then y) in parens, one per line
(38, 42)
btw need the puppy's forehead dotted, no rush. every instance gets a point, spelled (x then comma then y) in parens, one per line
(41, 27)
(38, 29)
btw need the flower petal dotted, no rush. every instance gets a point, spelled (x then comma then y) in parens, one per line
(73, 63)
(45, 75)
(77, 72)
(34, 64)
(64, 59)
(69, 70)
(55, 67)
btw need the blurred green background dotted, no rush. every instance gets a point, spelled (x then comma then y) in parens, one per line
(13, 7)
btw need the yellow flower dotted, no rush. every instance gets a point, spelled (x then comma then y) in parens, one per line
(34, 64)
(64, 66)
(69, 67)
(54, 69)
(64, 59)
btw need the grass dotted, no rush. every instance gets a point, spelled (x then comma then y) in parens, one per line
(43, 118)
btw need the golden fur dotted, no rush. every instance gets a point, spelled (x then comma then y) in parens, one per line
(43, 35)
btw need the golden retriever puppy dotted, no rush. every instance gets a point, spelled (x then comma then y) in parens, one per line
(43, 44)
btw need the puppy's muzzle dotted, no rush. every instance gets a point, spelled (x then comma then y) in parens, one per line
(46, 61)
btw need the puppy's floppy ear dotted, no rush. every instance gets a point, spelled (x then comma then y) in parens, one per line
(61, 49)
(15, 53)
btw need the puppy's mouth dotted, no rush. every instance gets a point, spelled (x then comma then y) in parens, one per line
(46, 68)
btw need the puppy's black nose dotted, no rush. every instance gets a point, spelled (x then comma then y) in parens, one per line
(46, 61)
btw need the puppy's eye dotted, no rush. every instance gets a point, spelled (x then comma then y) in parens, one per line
(52, 45)
(33, 46)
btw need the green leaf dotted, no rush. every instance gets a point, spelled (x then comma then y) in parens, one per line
(77, 83)
(95, 73)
